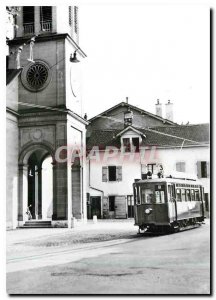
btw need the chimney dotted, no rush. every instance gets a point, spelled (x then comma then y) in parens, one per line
(127, 100)
(169, 111)
(158, 106)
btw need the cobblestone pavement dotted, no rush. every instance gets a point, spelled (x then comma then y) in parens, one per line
(108, 258)
(103, 230)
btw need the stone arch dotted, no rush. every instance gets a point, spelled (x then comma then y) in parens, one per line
(27, 150)
(30, 178)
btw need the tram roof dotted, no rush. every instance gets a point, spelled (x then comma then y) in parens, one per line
(172, 180)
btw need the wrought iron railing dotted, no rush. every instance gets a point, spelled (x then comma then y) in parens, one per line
(46, 26)
(28, 28)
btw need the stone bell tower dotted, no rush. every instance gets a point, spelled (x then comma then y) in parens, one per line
(46, 48)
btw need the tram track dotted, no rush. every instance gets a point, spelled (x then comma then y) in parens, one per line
(61, 256)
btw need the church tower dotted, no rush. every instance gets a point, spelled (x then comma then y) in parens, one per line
(46, 50)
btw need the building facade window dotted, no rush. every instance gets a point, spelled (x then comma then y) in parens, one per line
(152, 168)
(180, 166)
(203, 169)
(126, 144)
(112, 173)
(111, 203)
(46, 18)
(28, 20)
(131, 144)
(136, 144)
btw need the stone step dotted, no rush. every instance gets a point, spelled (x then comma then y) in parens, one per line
(37, 224)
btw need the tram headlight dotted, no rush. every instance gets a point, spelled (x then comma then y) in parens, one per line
(148, 211)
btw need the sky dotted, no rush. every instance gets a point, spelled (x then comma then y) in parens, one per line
(146, 52)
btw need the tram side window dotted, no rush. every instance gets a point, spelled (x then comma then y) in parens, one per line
(192, 195)
(147, 196)
(178, 194)
(183, 195)
(188, 197)
(197, 197)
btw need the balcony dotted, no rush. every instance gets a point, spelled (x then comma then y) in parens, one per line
(28, 28)
(46, 26)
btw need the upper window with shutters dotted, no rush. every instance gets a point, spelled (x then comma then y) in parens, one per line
(111, 173)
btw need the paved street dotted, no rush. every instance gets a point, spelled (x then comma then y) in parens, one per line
(107, 258)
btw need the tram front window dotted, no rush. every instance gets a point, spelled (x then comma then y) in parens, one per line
(147, 196)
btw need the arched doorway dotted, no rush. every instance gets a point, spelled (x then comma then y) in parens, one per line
(35, 184)
(40, 185)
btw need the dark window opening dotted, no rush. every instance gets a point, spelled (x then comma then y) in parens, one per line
(28, 19)
(203, 169)
(46, 18)
(130, 201)
(111, 203)
(112, 173)
(28, 14)
(126, 144)
(135, 142)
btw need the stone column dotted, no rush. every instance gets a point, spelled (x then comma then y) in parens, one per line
(23, 193)
(60, 193)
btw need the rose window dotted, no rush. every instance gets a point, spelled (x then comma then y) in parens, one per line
(37, 75)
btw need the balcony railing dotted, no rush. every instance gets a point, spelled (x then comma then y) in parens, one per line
(46, 26)
(28, 28)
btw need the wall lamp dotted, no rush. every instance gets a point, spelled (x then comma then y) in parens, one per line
(73, 58)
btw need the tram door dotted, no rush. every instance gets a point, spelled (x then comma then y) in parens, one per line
(171, 202)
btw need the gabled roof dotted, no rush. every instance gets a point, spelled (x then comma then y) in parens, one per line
(11, 74)
(130, 128)
(133, 108)
(180, 138)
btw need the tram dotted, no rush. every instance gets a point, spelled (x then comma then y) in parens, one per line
(168, 204)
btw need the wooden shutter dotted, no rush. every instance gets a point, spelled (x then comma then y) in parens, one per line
(104, 174)
(119, 173)
(199, 174)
